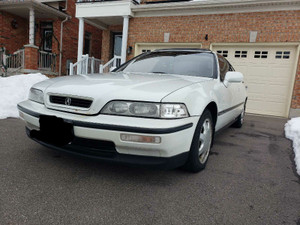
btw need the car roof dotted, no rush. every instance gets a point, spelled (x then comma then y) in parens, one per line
(182, 50)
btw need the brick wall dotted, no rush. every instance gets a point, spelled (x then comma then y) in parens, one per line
(271, 26)
(296, 92)
(10, 38)
(31, 57)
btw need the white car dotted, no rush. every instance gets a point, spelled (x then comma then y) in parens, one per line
(161, 109)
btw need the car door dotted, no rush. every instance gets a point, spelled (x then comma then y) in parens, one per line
(226, 94)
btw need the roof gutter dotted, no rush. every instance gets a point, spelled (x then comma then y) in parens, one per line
(214, 4)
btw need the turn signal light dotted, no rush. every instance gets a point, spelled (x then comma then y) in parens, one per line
(140, 138)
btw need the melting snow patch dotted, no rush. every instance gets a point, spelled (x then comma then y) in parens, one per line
(292, 131)
(15, 89)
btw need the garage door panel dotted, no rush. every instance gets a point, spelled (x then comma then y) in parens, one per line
(266, 108)
(268, 74)
(276, 91)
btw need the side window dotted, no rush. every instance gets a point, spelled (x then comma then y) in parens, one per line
(224, 67)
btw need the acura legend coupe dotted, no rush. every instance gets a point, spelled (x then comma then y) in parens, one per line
(162, 109)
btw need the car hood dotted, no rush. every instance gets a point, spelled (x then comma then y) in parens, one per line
(103, 88)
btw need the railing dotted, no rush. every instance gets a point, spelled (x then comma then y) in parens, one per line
(11, 63)
(87, 65)
(47, 61)
(16, 60)
(111, 64)
(2, 61)
(2, 52)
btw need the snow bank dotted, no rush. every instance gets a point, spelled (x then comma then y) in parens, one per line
(292, 131)
(15, 89)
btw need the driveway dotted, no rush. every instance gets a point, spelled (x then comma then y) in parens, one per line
(250, 179)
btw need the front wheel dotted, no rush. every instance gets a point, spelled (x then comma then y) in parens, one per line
(201, 143)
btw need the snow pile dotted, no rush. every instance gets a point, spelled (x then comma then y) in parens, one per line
(15, 89)
(292, 131)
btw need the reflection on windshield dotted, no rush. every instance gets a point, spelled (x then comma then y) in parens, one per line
(180, 62)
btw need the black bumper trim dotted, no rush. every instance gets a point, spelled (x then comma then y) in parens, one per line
(117, 127)
(143, 161)
(133, 129)
(31, 113)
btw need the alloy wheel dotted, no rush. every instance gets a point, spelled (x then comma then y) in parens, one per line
(205, 140)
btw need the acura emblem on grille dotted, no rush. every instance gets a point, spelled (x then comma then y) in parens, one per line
(68, 101)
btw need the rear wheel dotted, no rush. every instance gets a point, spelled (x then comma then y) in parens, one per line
(201, 143)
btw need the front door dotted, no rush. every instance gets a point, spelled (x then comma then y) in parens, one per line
(47, 34)
(87, 43)
(117, 46)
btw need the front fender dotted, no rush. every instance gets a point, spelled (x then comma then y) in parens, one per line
(196, 97)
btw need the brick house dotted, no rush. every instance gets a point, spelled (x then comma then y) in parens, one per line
(41, 35)
(259, 37)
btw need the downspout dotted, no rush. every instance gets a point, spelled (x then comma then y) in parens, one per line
(66, 6)
(61, 43)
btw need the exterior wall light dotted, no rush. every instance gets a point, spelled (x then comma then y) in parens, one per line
(206, 37)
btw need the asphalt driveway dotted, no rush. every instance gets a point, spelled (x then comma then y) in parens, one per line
(250, 179)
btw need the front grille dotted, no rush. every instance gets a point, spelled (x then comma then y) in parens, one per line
(70, 101)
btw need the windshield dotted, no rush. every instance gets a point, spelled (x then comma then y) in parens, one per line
(200, 64)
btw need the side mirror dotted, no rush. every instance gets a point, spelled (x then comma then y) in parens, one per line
(233, 77)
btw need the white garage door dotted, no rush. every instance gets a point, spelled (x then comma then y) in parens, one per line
(268, 73)
(147, 47)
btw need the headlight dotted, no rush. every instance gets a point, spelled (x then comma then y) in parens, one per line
(36, 95)
(145, 109)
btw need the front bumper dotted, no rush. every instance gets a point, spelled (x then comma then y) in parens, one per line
(108, 155)
(175, 140)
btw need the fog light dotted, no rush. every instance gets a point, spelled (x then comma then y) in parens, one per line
(140, 138)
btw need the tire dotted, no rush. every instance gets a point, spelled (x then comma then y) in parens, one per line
(240, 120)
(201, 143)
